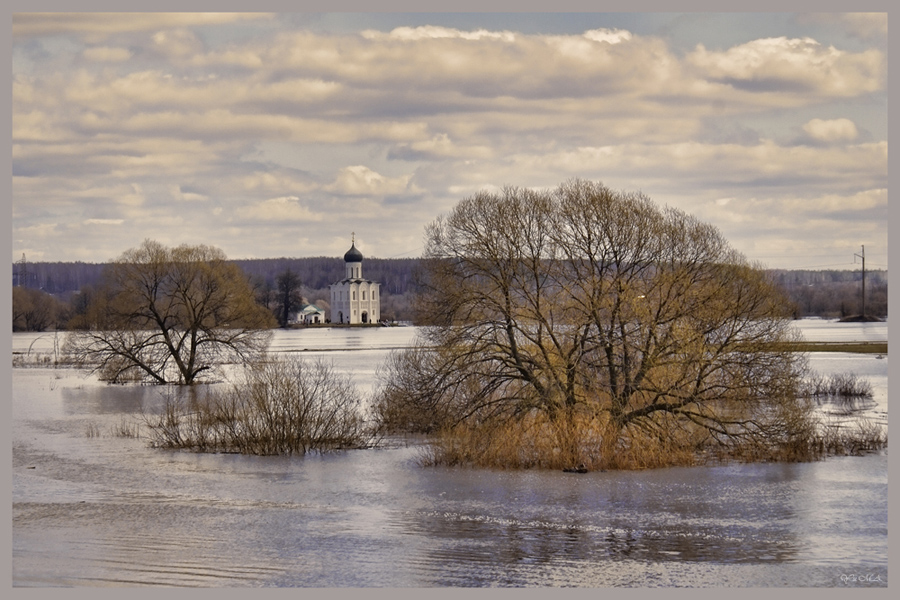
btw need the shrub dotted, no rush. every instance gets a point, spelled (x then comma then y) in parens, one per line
(862, 436)
(282, 406)
(838, 385)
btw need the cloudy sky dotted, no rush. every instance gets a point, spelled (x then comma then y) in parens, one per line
(272, 135)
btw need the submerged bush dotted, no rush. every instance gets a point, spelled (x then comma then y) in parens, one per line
(581, 442)
(283, 406)
(789, 428)
(838, 385)
(586, 309)
(587, 440)
(858, 437)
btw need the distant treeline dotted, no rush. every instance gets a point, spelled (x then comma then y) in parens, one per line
(811, 293)
(60, 278)
(833, 293)
(316, 273)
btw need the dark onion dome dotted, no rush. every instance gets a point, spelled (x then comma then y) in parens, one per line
(353, 255)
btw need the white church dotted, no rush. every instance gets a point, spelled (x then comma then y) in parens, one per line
(355, 300)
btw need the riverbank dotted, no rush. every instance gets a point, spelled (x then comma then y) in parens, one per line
(853, 347)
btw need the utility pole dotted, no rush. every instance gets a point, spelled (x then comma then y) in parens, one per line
(863, 257)
(23, 272)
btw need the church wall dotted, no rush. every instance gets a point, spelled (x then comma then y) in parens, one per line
(343, 300)
(354, 296)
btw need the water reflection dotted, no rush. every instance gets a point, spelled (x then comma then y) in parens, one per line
(113, 399)
(646, 519)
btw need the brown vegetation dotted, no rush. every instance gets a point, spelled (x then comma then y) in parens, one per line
(284, 406)
(534, 441)
(34, 310)
(169, 315)
(584, 326)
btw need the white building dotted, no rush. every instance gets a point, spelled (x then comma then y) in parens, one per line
(354, 299)
(309, 314)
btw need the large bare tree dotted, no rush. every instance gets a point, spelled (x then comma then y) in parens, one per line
(168, 315)
(288, 297)
(587, 300)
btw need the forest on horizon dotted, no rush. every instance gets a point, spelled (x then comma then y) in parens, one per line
(812, 293)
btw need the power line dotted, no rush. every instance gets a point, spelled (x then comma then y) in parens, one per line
(407, 252)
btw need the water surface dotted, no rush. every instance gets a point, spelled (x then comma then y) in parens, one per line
(92, 508)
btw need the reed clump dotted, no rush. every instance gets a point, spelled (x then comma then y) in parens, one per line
(284, 406)
(581, 441)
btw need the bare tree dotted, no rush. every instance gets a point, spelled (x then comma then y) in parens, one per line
(262, 291)
(288, 297)
(168, 315)
(588, 301)
(35, 310)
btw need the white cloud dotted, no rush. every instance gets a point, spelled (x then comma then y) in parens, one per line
(273, 182)
(709, 164)
(610, 36)
(432, 32)
(285, 209)
(179, 43)
(97, 25)
(107, 54)
(40, 231)
(359, 180)
(793, 64)
(104, 221)
(149, 121)
(442, 146)
(818, 207)
(833, 130)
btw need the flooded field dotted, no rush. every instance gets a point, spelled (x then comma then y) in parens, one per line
(94, 507)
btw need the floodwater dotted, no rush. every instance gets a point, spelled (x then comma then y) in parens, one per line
(93, 508)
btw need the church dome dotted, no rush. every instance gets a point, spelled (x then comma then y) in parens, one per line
(353, 255)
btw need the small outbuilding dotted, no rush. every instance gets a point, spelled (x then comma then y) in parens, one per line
(307, 315)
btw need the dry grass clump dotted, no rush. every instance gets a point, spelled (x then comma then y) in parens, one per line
(285, 406)
(586, 441)
(523, 442)
(581, 441)
(127, 428)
